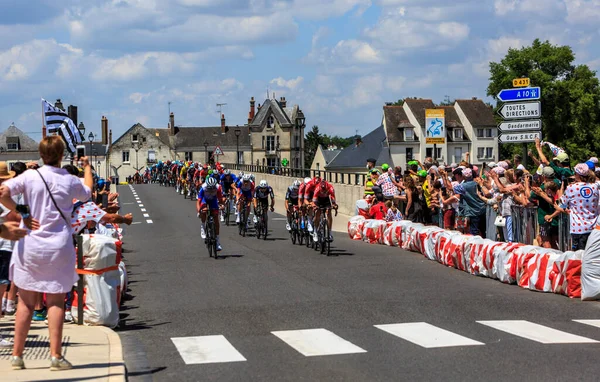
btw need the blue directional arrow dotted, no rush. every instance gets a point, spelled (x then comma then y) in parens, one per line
(519, 94)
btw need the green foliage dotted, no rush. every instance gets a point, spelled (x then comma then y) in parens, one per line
(314, 139)
(400, 102)
(570, 96)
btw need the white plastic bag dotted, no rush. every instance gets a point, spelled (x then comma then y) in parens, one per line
(590, 268)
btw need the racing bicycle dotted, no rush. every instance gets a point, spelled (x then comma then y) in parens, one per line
(262, 221)
(243, 215)
(323, 242)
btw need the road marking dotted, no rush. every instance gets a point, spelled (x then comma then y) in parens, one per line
(280, 219)
(317, 342)
(149, 221)
(427, 335)
(535, 332)
(128, 203)
(206, 349)
(143, 209)
(136, 223)
(595, 323)
(146, 215)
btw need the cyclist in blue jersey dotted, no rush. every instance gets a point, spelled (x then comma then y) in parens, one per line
(211, 197)
(228, 182)
(291, 200)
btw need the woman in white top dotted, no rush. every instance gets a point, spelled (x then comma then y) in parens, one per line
(44, 261)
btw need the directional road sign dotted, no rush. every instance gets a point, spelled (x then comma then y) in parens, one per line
(529, 136)
(520, 82)
(520, 94)
(526, 125)
(521, 110)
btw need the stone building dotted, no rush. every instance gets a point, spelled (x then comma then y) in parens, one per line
(16, 146)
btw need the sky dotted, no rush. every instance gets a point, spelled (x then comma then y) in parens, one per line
(339, 60)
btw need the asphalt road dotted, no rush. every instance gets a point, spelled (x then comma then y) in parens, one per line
(180, 300)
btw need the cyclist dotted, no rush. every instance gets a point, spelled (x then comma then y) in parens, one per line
(228, 181)
(261, 195)
(309, 190)
(291, 200)
(301, 205)
(190, 177)
(211, 197)
(182, 177)
(324, 197)
(245, 192)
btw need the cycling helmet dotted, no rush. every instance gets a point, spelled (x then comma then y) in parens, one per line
(263, 184)
(101, 183)
(306, 180)
(211, 182)
(323, 185)
(210, 168)
(297, 183)
(246, 178)
(252, 178)
(210, 172)
(226, 172)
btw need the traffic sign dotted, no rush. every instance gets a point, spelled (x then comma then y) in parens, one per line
(521, 110)
(520, 82)
(218, 151)
(526, 125)
(436, 126)
(520, 94)
(529, 136)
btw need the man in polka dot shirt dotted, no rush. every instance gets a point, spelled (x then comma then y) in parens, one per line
(581, 199)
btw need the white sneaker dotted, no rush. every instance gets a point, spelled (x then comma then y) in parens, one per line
(5, 343)
(237, 219)
(315, 237)
(202, 233)
(310, 227)
(255, 220)
(219, 248)
(222, 218)
(287, 226)
(68, 317)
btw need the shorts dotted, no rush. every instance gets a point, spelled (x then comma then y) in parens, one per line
(4, 265)
(227, 187)
(580, 240)
(246, 194)
(547, 230)
(263, 202)
(212, 204)
(323, 202)
(292, 201)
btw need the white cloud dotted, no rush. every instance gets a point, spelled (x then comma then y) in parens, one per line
(357, 51)
(291, 84)
(395, 84)
(583, 11)
(138, 97)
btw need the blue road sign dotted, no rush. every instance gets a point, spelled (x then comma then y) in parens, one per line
(519, 94)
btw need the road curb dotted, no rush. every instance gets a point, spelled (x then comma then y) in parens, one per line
(116, 363)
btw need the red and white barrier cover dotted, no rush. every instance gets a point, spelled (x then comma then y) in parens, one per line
(573, 274)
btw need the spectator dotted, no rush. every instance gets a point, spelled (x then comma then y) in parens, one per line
(393, 213)
(369, 186)
(581, 199)
(560, 163)
(414, 201)
(472, 206)
(545, 197)
(378, 210)
(49, 265)
(387, 184)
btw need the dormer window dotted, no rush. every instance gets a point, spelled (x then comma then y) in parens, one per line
(458, 134)
(12, 144)
(270, 122)
(409, 134)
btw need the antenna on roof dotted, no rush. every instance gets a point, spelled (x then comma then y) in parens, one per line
(220, 111)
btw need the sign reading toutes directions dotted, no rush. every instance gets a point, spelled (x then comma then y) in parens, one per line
(513, 126)
(529, 136)
(521, 110)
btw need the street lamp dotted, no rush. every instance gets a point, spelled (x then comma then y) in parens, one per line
(81, 129)
(91, 139)
(205, 152)
(136, 146)
(300, 124)
(237, 144)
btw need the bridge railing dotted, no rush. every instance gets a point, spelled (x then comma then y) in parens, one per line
(352, 179)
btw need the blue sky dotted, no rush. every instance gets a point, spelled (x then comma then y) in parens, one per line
(339, 60)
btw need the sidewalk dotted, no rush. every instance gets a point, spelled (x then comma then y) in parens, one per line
(94, 351)
(340, 222)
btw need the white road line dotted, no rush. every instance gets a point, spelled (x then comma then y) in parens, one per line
(536, 332)
(143, 209)
(317, 342)
(140, 205)
(146, 215)
(206, 349)
(427, 335)
(595, 323)
(136, 223)
(280, 219)
(128, 203)
(149, 221)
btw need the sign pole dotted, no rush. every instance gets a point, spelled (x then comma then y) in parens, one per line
(525, 154)
(434, 152)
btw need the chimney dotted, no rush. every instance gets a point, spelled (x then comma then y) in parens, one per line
(59, 104)
(283, 102)
(251, 113)
(104, 128)
(358, 140)
(223, 128)
(173, 130)
(72, 111)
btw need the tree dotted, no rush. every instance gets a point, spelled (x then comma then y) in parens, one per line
(570, 95)
(311, 143)
(400, 102)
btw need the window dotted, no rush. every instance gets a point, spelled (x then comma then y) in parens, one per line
(270, 122)
(188, 156)
(480, 152)
(134, 137)
(409, 154)
(429, 152)
(409, 134)
(126, 156)
(484, 133)
(457, 154)
(296, 141)
(271, 162)
(263, 142)
(479, 133)
(488, 133)
(277, 141)
(270, 143)
(12, 146)
(151, 156)
(458, 134)
(489, 152)
(143, 139)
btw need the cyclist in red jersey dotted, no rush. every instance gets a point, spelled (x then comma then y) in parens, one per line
(324, 197)
(309, 190)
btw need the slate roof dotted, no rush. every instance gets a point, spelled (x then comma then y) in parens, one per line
(278, 112)
(395, 121)
(25, 142)
(163, 136)
(329, 155)
(373, 145)
(418, 106)
(477, 112)
(194, 137)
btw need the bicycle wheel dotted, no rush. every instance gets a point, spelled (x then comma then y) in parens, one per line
(326, 241)
(209, 237)
(265, 225)
(242, 216)
(293, 232)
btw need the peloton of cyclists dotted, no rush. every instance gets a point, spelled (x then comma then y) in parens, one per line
(319, 193)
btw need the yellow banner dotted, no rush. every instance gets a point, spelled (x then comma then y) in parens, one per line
(434, 113)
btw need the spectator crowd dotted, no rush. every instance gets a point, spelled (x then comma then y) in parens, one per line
(490, 201)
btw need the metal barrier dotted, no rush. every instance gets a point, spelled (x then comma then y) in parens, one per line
(564, 233)
(352, 179)
(525, 224)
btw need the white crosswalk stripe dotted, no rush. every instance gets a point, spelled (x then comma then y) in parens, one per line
(317, 342)
(206, 349)
(595, 323)
(427, 335)
(536, 332)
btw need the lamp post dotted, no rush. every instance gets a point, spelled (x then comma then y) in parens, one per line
(91, 139)
(81, 129)
(237, 145)
(205, 152)
(300, 124)
(278, 156)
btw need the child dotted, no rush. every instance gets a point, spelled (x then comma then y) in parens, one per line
(393, 213)
(378, 211)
